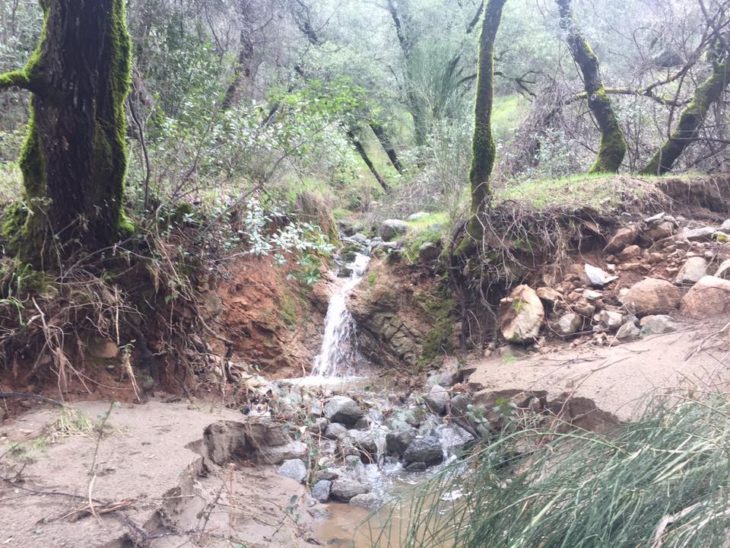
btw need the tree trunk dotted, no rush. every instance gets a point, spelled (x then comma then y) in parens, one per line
(75, 156)
(244, 69)
(691, 120)
(613, 145)
(387, 145)
(483, 147)
(368, 162)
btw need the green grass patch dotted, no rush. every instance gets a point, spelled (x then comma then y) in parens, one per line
(432, 228)
(507, 114)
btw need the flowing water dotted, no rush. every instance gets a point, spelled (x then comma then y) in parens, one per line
(339, 347)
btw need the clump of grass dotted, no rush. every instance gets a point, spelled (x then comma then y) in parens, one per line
(662, 481)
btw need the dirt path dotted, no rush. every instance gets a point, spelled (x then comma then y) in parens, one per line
(620, 379)
(146, 466)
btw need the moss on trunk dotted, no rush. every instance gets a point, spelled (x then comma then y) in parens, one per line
(75, 157)
(691, 120)
(613, 144)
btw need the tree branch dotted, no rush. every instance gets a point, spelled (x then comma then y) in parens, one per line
(15, 79)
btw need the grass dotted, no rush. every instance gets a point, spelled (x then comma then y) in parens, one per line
(662, 481)
(507, 114)
(600, 192)
(430, 228)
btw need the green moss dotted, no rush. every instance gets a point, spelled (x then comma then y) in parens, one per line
(440, 308)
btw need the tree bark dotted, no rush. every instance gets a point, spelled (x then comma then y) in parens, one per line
(366, 159)
(244, 69)
(483, 147)
(613, 145)
(75, 156)
(691, 119)
(387, 145)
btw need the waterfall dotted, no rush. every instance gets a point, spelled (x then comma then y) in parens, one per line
(338, 351)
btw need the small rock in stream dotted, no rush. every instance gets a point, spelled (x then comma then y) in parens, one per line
(427, 450)
(321, 490)
(343, 489)
(396, 443)
(369, 501)
(343, 410)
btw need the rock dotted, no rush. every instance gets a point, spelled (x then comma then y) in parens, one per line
(426, 450)
(335, 431)
(416, 467)
(623, 237)
(343, 489)
(396, 443)
(294, 469)
(724, 270)
(656, 325)
(692, 271)
(437, 399)
(328, 475)
(702, 234)
(630, 252)
(319, 426)
(548, 295)
(277, 455)
(321, 490)
(460, 404)
(445, 379)
(392, 228)
(343, 410)
(369, 501)
(521, 315)
(428, 252)
(707, 298)
(655, 219)
(417, 216)
(725, 227)
(569, 324)
(610, 319)
(628, 332)
(597, 276)
(365, 442)
(652, 296)
(453, 436)
(592, 295)
(228, 441)
(103, 348)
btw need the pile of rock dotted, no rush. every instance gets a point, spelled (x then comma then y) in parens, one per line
(609, 303)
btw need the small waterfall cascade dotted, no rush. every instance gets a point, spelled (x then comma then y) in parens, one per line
(339, 349)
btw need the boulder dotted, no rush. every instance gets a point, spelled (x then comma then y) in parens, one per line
(396, 443)
(623, 237)
(709, 297)
(628, 332)
(437, 399)
(521, 315)
(321, 490)
(702, 234)
(652, 296)
(656, 325)
(569, 324)
(228, 441)
(427, 450)
(343, 410)
(692, 271)
(294, 469)
(724, 270)
(343, 489)
(392, 228)
(597, 276)
(369, 501)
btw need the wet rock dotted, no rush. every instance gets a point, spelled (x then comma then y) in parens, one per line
(343, 410)
(392, 228)
(623, 237)
(437, 399)
(416, 467)
(652, 296)
(426, 450)
(724, 270)
(428, 252)
(343, 489)
(692, 271)
(369, 501)
(521, 315)
(597, 276)
(294, 469)
(365, 442)
(610, 319)
(628, 332)
(454, 436)
(630, 252)
(321, 490)
(656, 325)
(702, 234)
(335, 431)
(396, 443)
(707, 298)
(569, 324)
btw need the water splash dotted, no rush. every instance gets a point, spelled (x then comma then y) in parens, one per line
(339, 350)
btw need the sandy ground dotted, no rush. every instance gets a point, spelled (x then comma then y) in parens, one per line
(621, 379)
(145, 465)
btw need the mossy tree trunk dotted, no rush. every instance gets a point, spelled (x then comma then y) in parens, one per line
(613, 144)
(245, 69)
(690, 122)
(75, 157)
(387, 145)
(483, 147)
(360, 149)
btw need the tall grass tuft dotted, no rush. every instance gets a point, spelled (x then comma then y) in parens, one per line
(660, 482)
